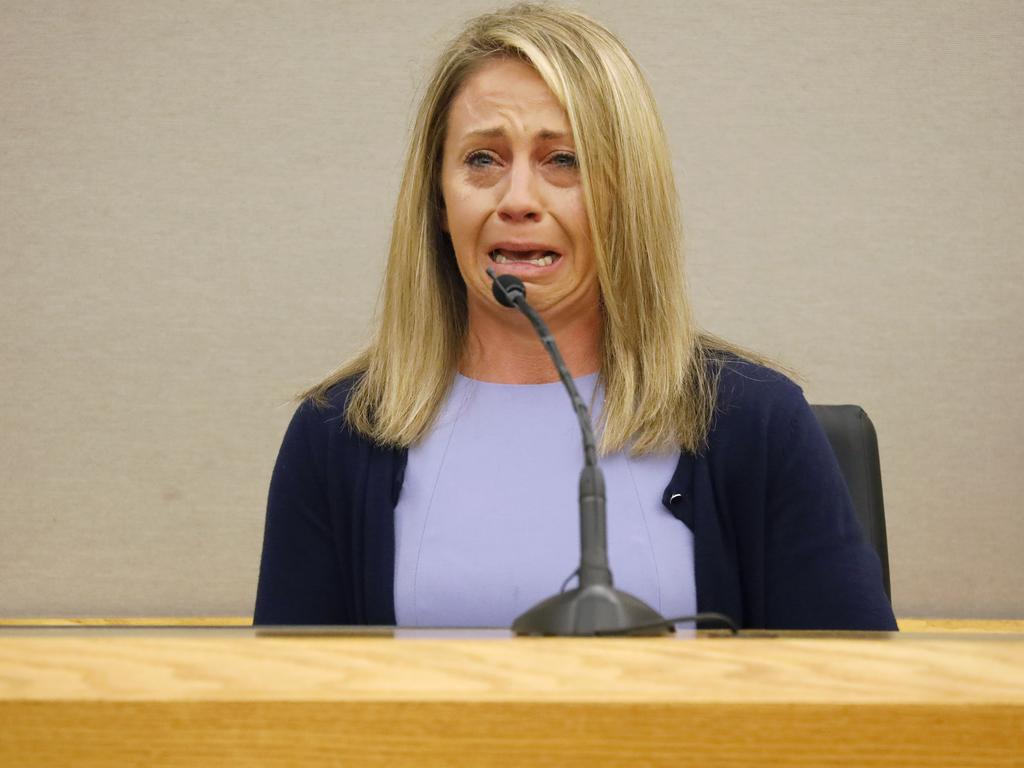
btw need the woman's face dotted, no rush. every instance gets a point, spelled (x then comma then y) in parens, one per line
(513, 199)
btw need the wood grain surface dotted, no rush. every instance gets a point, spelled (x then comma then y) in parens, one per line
(197, 667)
(194, 696)
(906, 624)
(511, 734)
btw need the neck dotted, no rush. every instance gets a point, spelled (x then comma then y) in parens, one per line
(502, 347)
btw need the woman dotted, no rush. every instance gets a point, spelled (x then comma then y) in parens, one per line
(432, 480)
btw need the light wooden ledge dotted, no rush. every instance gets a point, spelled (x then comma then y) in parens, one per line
(189, 696)
(131, 621)
(1013, 626)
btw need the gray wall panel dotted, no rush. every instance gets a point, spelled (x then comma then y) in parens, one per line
(196, 201)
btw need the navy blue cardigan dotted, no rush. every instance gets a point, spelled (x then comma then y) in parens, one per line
(776, 541)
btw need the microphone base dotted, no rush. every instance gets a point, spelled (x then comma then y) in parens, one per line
(585, 611)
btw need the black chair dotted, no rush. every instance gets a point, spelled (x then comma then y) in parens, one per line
(855, 444)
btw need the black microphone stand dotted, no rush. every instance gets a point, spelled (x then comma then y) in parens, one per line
(595, 606)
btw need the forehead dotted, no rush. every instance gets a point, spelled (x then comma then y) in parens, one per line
(505, 91)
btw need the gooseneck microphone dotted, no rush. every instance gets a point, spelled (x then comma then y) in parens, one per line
(595, 606)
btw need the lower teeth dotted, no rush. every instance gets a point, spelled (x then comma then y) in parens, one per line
(543, 261)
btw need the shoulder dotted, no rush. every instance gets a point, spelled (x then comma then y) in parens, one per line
(320, 419)
(752, 398)
(763, 426)
(330, 402)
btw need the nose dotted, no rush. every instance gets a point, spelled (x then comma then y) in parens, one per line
(520, 201)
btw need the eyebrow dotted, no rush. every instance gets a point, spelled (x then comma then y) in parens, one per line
(545, 134)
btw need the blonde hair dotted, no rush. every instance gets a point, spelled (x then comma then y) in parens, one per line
(658, 372)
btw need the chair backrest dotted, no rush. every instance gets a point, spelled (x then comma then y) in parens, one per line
(855, 444)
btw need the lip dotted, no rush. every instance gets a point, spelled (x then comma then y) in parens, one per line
(511, 245)
(523, 269)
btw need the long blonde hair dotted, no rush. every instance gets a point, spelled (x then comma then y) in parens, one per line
(658, 371)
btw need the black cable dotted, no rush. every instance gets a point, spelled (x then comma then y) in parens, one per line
(568, 579)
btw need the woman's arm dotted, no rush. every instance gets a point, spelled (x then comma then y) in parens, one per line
(821, 572)
(299, 581)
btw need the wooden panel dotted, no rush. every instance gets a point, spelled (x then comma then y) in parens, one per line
(110, 696)
(501, 734)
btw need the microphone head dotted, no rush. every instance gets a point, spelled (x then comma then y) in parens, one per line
(506, 288)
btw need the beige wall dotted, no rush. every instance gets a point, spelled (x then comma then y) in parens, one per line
(195, 202)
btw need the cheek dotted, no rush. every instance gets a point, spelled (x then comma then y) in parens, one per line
(466, 211)
(576, 217)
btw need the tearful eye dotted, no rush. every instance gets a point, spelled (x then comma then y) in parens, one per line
(564, 160)
(479, 160)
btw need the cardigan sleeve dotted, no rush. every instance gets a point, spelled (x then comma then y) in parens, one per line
(820, 571)
(299, 581)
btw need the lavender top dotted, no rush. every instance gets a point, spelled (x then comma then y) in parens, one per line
(487, 524)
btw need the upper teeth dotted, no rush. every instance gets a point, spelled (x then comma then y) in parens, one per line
(511, 257)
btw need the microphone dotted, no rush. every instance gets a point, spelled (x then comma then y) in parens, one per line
(507, 288)
(595, 606)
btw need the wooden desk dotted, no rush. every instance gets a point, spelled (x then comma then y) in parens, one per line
(229, 696)
(974, 626)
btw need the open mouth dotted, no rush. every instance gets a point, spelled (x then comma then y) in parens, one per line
(532, 258)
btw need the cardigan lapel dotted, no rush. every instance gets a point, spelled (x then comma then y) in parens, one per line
(691, 499)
